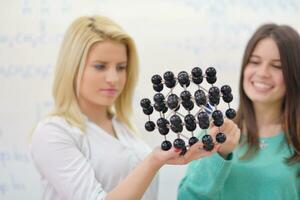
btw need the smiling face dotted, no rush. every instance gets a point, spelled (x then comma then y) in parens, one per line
(104, 74)
(263, 78)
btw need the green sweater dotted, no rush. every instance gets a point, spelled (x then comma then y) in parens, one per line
(263, 177)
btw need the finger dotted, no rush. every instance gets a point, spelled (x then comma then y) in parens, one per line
(237, 134)
(199, 152)
(229, 132)
(179, 160)
(194, 148)
(213, 131)
(171, 153)
(228, 128)
(233, 131)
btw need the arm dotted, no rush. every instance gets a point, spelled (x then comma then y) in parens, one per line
(134, 185)
(205, 178)
(58, 158)
(60, 161)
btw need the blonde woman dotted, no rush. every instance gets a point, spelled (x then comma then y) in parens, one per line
(86, 149)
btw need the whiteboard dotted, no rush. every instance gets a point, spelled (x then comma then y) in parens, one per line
(170, 35)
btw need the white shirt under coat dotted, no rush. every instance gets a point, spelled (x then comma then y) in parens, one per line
(75, 165)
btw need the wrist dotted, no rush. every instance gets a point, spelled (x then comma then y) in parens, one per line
(226, 155)
(154, 161)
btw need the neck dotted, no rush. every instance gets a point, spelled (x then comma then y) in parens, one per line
(95, 113)
(268, 119)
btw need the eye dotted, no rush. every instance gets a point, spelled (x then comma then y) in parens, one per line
(99, 66)
(121, 67)
(276, 66)
(254, 62)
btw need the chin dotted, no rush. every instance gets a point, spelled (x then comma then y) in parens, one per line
(108, 103)
(260, 100)
(263, 99)
(104, 102)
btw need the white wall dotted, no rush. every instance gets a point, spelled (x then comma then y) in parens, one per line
(170, 35)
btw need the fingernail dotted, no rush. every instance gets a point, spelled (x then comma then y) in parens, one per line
(177, 150)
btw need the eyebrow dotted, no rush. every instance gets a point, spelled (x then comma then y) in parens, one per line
(100, 61)
(276, 60)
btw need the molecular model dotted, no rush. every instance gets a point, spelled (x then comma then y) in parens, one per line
(169, 105)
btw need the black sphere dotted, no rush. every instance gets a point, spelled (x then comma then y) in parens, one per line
(230, 113)
(159, 106)
(203, 120)
(170, 84)
(169, 76)
(165, 109)
(214, 91)
(208, 147)
(210, 72)
(218, 122)
(175, 120)
(207, 139)
(217, 114)
(188, 105)
(191, 127)
(203, 116)
(193, 140)
(200, 98)
(148, 111)
(177, 129)
(162, 122)
(198, 80)
(214, 100)
(211, 80)
(185, 95)
(172, 101)
(225, 89)
(220, 137)
(183, 78)
(179, 143)
(150, 126)
(183, 151)
(166, 145)
(145, 103)
(196, 72)
(158, 88)
(159, 97)
(163, 130)
(227, 97)
(189, 119)
(156, 79)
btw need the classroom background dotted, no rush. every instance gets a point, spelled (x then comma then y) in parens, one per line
(171, 35)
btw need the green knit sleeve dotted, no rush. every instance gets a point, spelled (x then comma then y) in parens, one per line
(205, 178)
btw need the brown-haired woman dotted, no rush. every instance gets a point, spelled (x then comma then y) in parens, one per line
(263, 163)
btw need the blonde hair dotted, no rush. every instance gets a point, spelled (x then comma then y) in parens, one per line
(80, 36)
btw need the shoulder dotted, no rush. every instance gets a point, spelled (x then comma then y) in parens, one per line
(56, 128)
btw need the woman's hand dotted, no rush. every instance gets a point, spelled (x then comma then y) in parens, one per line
(232, 132)
(173, 156)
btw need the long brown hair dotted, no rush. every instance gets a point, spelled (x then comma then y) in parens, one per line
(288, 42)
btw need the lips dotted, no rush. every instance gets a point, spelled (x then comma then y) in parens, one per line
(261, 86)
(109, 91)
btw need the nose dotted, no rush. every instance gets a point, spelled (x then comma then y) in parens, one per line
(263, 70)
(111, 76)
